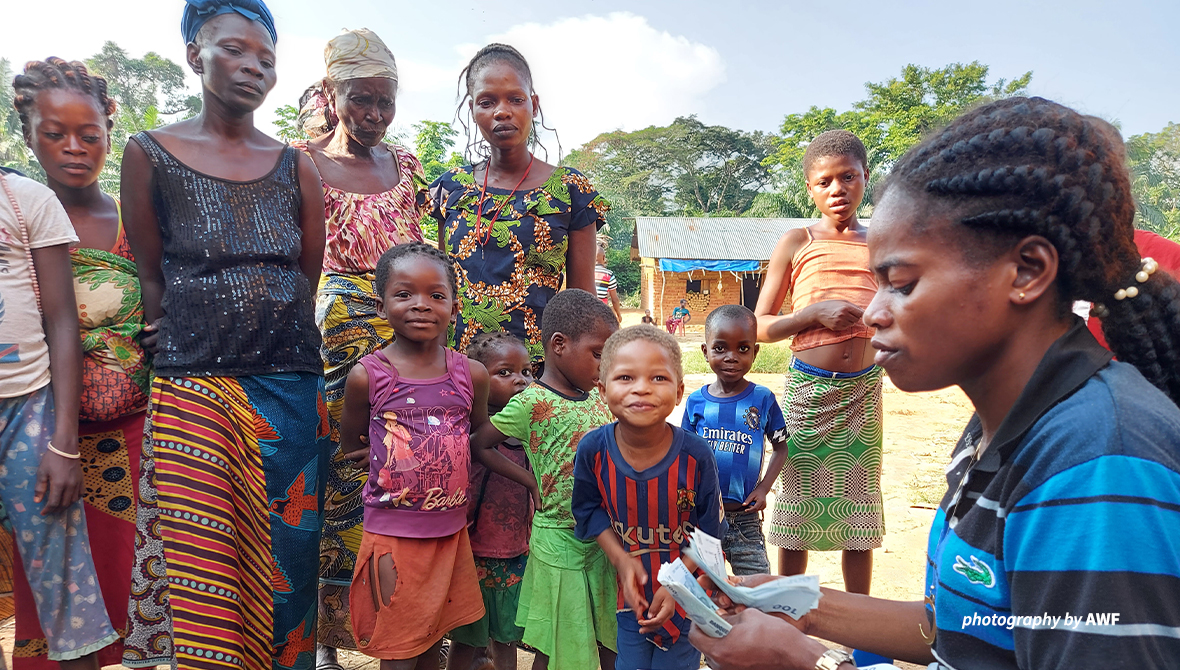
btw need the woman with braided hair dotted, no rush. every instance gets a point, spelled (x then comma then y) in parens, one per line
(41, 478)
(66, 115)
(516, 226)
(1054, 545)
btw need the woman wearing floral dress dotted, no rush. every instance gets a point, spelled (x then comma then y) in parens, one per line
(513, 245)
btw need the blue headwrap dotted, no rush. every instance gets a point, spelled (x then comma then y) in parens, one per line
(198, 13)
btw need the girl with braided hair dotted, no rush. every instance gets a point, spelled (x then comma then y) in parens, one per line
(41, 478)
(516, 226)
(66, 115)
(499, 513)
(1064, 489)
(409, 408)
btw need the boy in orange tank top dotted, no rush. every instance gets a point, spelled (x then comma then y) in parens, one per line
(830, 497)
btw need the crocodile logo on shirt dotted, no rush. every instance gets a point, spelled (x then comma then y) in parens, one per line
(976, 572)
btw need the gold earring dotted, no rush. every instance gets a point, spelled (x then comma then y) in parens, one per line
(1022, 295)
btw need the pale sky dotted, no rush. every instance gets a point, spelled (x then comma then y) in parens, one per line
(601, 65)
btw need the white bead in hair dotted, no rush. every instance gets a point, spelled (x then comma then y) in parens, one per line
(1149, 267)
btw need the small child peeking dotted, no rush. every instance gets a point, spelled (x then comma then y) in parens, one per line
(736, 417)
(498, 516)
(640, 486)
(408, 409)
(568, 597)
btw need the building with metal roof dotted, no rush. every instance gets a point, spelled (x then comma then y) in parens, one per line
(707, 262)
(696, 238)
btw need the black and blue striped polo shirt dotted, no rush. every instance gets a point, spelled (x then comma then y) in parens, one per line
(1073, 510)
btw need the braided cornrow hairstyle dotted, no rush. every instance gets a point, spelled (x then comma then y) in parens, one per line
(1029, 166)
(398, 252)
(476, 149)
(56, 73)
(485, 345)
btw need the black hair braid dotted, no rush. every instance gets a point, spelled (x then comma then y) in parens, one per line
(1029, 166)
(476, 149)
(1145, 331)
(398, 252)
(484, 345)
(57, 73)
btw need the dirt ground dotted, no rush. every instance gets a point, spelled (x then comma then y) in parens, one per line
(920, 431)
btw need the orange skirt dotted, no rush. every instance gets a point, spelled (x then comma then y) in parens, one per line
(436, 591)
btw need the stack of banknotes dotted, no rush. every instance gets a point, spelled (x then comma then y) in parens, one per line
(793, 596)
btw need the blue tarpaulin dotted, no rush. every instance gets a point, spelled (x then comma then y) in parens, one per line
(678, 265)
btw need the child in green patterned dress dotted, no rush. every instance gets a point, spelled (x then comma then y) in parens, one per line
(549, 418)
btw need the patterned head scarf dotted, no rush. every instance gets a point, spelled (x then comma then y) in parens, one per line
(316, 118)
(198, 12)
(359, 54)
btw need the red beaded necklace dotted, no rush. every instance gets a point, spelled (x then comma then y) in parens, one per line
(485, 235)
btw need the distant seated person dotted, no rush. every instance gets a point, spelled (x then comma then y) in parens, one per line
(647, 318)
(1150, 245)
(680, 316)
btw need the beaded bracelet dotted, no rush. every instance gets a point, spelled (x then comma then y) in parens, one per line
(1149, 267)
(72, 457)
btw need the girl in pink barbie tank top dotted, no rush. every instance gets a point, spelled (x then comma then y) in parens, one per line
(408, 410)
(419, 458)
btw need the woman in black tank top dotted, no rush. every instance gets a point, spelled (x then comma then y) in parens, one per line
(227, 227)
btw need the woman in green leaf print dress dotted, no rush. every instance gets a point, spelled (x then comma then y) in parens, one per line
(536, 222)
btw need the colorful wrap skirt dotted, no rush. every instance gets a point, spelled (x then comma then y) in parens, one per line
(239, 464)
(346, 313)
(148, 640)
(116, 380)
(830, 488)
(110, 461)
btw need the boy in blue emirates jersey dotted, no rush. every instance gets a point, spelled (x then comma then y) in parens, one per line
(641, 485)
(735, 416)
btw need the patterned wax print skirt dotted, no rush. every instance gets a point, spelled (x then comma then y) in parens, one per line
(346, 313)
(830, 488)
(239, 465)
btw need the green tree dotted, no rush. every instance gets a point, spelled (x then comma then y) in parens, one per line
(1154, 163)
(686, 168)
(285, 118)
(13, 151)
(434, 142)
(904, 110)
(895, 115)
(626, 270)
(150, 91)
(140, 83)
